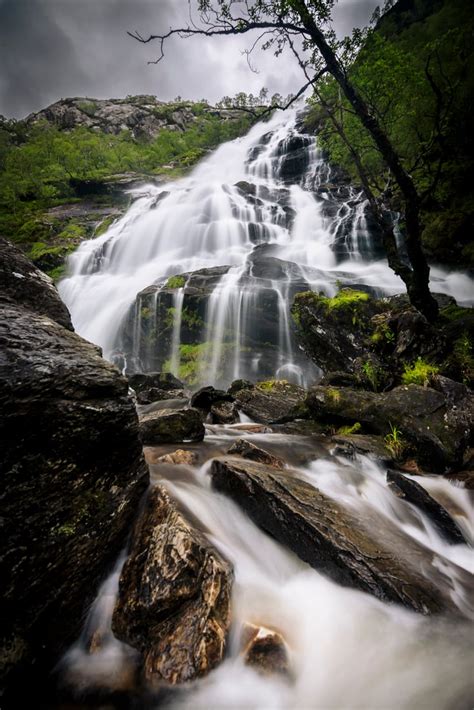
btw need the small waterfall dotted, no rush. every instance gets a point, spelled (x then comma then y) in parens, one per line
(262, 218)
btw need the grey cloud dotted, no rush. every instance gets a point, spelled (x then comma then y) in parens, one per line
(57, 48)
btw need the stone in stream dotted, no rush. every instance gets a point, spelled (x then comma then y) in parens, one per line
(178, 457)
(141, 381)
(224, 413)
(271, 402)
(369, 554)
(171, 426)
(205, 397)
(247, 450)
(434, 426)
(265, 650)
(174, 596)
(367, 444)
(155, 394)
(72, 475)
(414, 493)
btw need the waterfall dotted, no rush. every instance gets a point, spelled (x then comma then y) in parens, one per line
(263, 217)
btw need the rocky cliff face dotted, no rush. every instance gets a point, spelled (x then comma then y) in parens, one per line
(71, 469)
(142, 116)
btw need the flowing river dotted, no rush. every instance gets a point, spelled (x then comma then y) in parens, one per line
(261, 218)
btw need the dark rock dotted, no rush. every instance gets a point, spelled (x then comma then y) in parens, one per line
(272, 402)
(367, 444)
(335, 337)
(148, 395)
(340, 379)
(207, 396)
(244, 448)
(331, 539)
(142, 382)
(171, 426)
(224, 413)
(23, 283)
(265, 650)
(436, 428)
(413, 493)
(174, 596)
(238, 385)
(72, 475)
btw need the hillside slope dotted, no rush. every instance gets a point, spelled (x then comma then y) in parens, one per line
(65, 169)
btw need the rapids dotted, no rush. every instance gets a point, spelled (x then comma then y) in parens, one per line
(348, 650)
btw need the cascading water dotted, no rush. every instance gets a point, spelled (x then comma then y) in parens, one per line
(260, 219)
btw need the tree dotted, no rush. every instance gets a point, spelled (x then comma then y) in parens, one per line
(304, 28)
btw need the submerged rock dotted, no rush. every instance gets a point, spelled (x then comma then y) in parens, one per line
(435, 426)
(72, 475)
(247, 450)
(331, 539)
(174, 596)
(271, 402)
(265, 650)
(413, 493)
(171, 426)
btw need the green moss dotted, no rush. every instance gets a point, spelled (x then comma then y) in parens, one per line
(382, 335)
(419, 373)
(454, 312)
(176, 282)
(104, 225)
(347, 298)
(333, 395)
(348, 430)
(40, 250)
(271, 385)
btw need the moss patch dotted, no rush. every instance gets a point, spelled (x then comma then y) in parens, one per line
(419, 373)
(175, 282)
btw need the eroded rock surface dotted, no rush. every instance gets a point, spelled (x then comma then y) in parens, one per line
(247, 450)
(265, 650)
(174, 596)
(72, 475)
(368, 555)
(271, 402)
(171, 426)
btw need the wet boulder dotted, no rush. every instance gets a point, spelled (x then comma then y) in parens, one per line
(155, 394)
(165, 381)
(367, 554)
(334, 332)
(434, 427)
(174, 596)
(367, 444)
(178, 457)
(205, 397)
(171, 426)
(411, 491)
(72, 475)
(247, 450)
(265, 650)
(22, 283)
(272, 401)
(224, 413)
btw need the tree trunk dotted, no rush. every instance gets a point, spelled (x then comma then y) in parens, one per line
(416, 279)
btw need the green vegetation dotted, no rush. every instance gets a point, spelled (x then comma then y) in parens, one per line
(346, 299)
(272, 385)
(419, 373)
(416, 73)
(349, 430)
(372, 375)
(382, 335)
(42, 167)
(175, 282)
(395, 442)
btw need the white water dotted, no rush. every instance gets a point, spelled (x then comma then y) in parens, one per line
(346, 648)
(204, 221)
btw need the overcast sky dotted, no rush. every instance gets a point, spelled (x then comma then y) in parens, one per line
(52, 49)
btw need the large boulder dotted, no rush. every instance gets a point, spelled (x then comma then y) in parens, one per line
(270, 402)
(435, 425)
(174, 596)
(171, 426)
(71, 478)
(22, 283)
(366, 554)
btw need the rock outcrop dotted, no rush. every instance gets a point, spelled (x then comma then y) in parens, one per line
(434, 425)
(265, 650)
(331, 539)
(71, 470)
(174, 596)
(247, 450)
